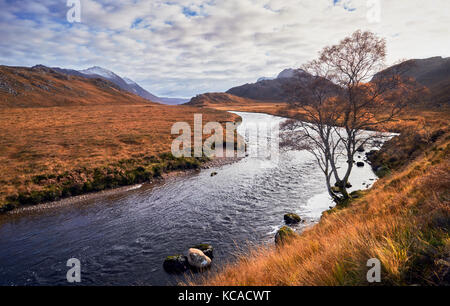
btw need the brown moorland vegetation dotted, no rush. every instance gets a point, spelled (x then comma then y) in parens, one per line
(66, 135)
(54, 152)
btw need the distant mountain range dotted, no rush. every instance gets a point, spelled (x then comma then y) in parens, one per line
(433, 73)
(124, 83)
(17, 84)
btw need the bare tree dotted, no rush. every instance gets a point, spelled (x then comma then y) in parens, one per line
(337, 105)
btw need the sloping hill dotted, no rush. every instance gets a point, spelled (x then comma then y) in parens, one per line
(41, 86)
(270, 90)
(429, 71)
(218, 98)
(433, 72)
(265, 90)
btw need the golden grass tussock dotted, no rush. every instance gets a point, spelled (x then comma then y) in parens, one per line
(404, 225)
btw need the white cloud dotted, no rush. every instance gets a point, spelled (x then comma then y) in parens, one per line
(185, 47)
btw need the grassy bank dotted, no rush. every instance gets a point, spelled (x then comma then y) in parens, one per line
(403, 220)
(50, 153)
(53, 187)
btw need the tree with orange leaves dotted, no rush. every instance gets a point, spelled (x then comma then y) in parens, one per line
(339, 104)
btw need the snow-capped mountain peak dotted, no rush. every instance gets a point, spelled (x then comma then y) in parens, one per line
(99, 71)
(290, 73)
(123, 83)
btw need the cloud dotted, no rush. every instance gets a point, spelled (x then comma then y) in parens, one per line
(186, 47)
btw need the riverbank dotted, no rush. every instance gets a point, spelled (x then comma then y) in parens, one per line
(149, 174)
(52, 153)
(403, 221)
(212, 163)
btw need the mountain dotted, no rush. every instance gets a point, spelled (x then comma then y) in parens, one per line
(428, 72)
(124, 83)
(270, 90)
(134, 87)
(41, 86)
(433, 72)
(127, 84)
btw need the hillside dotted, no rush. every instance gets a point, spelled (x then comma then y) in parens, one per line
(217, 99)
(428, 72)
(270, 90)
(433, 72)
(41, 86)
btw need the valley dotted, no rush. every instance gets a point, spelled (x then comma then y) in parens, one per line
(67, 135)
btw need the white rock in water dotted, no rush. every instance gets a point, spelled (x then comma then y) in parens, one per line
(198, 259)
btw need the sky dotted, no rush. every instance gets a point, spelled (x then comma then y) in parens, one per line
(182, 48)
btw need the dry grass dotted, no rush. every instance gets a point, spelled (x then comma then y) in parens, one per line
(56, 140)
(403, 221)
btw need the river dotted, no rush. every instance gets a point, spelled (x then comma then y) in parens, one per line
(123, 238)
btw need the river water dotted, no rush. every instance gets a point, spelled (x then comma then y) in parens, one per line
(122, 239)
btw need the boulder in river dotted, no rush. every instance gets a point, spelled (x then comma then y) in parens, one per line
(292, 218)
(198, 260)
(360, 164)
(175, 264)
(214, 173)
(207, 249)
(284, 234)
